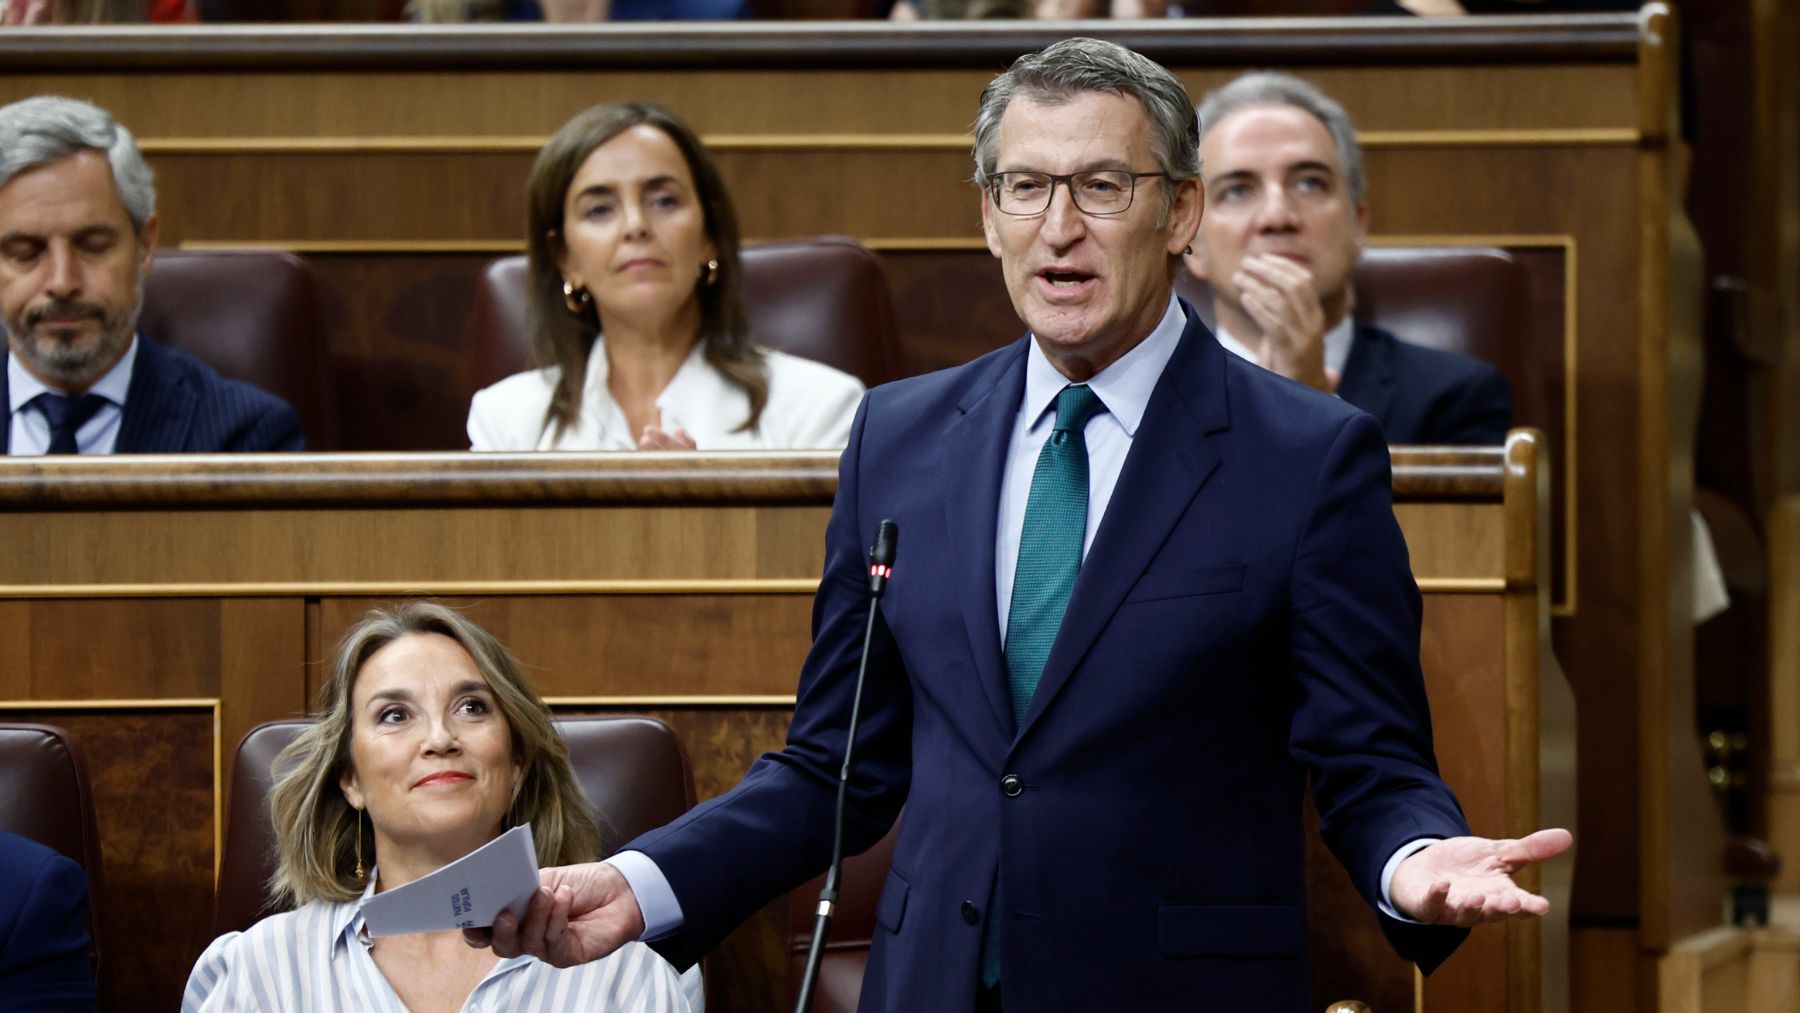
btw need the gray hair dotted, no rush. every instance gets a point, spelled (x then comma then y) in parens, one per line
(1264, 88)
(42, 131)
(1078, 66)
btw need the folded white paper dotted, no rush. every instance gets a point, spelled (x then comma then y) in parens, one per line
(469, 893)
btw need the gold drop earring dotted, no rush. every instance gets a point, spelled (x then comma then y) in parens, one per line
(359, 827)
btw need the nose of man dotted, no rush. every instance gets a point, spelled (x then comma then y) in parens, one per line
(63, 282)
(1064, 223)
(1275, 212)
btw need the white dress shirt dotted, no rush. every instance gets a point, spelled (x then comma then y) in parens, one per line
(1337, 345)
(319, 957)
(98, 435)
(810, 407)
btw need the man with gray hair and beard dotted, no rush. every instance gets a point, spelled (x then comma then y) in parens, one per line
(77, 233)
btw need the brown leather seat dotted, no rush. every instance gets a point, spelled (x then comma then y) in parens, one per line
(1470, 299)
(45, 788)
(852, 929)
(631, 769)
(253, 316)
(824, 299)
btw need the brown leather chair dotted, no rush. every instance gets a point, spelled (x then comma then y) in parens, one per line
(253, 316)
(45, 787)
(852, 929)
(631, 769)
(823, 299)
(1468, 299)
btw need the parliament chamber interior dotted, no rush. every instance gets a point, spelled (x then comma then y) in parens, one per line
(1601, 203)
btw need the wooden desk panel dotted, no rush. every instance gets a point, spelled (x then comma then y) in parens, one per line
(161, 608)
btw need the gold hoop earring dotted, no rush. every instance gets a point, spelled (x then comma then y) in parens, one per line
(576, 299)
(359, 864)
(711, 276)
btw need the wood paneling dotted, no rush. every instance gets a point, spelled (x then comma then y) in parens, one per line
(642, 646)
(1731, 970)
(1475, 128)
(1784, 687)
(620, 592)
(150, 770)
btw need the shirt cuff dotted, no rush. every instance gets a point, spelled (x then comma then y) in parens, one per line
(662, 912)
(1404, 852)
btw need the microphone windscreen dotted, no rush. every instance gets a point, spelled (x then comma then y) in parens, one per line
(887, 542)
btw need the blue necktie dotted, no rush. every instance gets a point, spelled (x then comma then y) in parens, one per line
(66, 414)
(1049, 560)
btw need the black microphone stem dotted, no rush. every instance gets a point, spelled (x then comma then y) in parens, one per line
(828, 897)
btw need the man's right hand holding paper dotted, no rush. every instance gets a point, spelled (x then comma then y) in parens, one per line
(579, 913)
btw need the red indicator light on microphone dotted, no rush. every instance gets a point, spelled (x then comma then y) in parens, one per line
(878, 570)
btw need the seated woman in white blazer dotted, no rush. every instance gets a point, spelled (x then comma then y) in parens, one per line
(637, 312)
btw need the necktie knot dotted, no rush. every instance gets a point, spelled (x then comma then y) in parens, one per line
(66, 413)
(1075, 404)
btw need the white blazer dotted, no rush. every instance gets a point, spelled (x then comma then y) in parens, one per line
(810, 408)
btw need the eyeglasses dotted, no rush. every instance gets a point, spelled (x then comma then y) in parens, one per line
(1095, 192)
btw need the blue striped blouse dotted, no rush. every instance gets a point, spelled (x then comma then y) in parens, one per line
(317, 958)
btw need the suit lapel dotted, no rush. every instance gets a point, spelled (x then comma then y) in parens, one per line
(1368, 381)
(6, 400)
(973, 457)
(159, 404)
(1170, 459)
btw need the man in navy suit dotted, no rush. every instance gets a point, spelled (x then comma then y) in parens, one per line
(1145, 590)
(77, 233)
(45, 962)
(1286, 215)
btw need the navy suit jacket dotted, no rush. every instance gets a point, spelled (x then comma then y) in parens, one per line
(1423, 395)
(177, 404)
(44, 959)
(1245, 617)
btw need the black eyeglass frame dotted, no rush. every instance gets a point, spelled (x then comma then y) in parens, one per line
(1067, 180)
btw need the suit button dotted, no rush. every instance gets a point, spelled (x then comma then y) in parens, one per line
(970, 913)
(1011, 786)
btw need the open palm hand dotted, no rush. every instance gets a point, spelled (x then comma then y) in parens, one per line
(1469, 880)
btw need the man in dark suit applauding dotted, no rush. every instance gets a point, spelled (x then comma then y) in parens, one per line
(44, 942)
(1146, 592)
(1286, 215)
(77, 233)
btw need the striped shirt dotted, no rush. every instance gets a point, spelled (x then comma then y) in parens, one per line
(318, 958)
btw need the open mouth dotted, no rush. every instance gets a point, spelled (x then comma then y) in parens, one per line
(1065, 279)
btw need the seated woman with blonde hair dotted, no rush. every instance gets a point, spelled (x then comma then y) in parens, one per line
(637, 311)
(429, 744)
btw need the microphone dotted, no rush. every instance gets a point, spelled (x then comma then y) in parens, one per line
(881, 568)
(881, 556)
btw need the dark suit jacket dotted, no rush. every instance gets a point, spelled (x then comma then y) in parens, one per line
(1424, 395)
(44, 960)
(177, 404)
(1245, 616)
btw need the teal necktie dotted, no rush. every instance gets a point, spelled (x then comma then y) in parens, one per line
(1049, 546)
(1049, 559)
